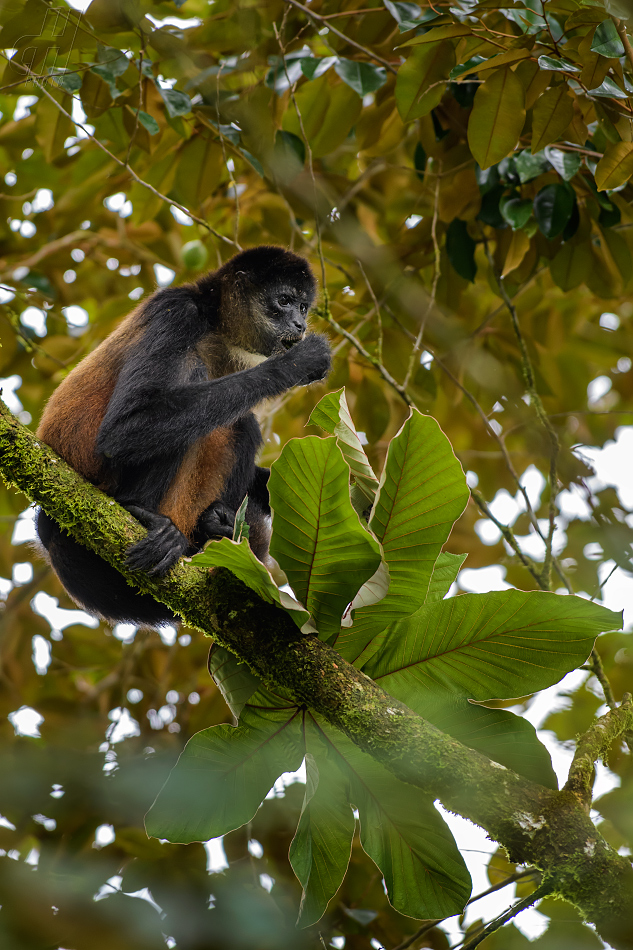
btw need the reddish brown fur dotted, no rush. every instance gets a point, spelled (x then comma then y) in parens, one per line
(79, 403)
(200, 479)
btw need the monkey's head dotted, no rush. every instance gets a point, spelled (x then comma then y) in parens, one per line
(266, 295)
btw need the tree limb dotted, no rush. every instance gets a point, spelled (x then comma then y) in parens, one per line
(536, 825)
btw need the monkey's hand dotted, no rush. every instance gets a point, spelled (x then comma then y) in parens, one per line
(216, 522)
(309, 360)
(157, 553)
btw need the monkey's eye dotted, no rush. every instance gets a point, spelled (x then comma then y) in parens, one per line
(283, 300)
(303, 308)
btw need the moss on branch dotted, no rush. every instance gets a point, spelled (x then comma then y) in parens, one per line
(547, 829)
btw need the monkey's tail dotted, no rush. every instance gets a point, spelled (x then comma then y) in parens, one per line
(94, 584)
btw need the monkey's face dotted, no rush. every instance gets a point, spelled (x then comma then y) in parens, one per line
(279, 317)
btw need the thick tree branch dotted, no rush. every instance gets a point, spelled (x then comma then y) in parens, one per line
(537, 826)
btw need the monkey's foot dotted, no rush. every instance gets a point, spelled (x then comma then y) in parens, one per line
(217, 521)
(157, 553)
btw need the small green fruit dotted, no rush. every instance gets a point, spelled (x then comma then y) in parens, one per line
(194, 255)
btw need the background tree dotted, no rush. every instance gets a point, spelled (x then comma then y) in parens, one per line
(460, 183)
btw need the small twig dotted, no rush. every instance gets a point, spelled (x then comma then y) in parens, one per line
(140, 97)
(593, 745)
(436, 276)
(376, 310)
(508, 535)
(431, 924)
(628, 49)
(535, 399)
(545, 888)
(320, 19)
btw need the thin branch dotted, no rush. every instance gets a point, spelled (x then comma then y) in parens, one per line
(593, 745)
(542, 891)
(535, 399)
(431, 924)
(508, 535)
(436, 276)
(377, 312)
(320, 19)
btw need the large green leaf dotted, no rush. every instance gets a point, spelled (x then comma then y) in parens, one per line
(317, 537)
(320, 850)
(422, 492)
(363, 78)
(497, 118)
(224, 774)
(332, 415)
(402, 832)
(240, 560)
(489, 646)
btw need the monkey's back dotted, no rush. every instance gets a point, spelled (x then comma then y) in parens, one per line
(74, 413)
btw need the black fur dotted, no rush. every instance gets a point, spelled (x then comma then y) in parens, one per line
(167, 397)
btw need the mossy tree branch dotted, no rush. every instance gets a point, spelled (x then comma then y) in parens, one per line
(547, 829)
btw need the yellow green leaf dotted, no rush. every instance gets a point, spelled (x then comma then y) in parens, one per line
(616, 165)
(497, 118)
(503, 59)
(553, 112)
(434, 35)
(53, 127)
(419, 86)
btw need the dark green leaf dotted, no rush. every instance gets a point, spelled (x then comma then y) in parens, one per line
(607, 41)
(466, 67)
(559, 65)
(66, 80)
(515, 210)
(553, 208)
(419, 161)
(530, 166)
(489, 212)
(176, 102)
(148, 122)
(565, 163)
(361, 77)
(313, 67)
(406, 15)
(286, 142)
(460, 248)
(608, 89)
(607, 218)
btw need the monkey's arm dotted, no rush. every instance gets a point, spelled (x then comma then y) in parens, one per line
(150, 418)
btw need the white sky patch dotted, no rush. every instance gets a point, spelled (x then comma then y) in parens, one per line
(41, 654)
(286, 779)
(26, 721)
(181, 218)
(34, 319)
(216, 858)
(483, 579)
(598, 388)
(104, 835)
(58, 617)
(75, 316)
(43, 200)
(123, 725)
(164, 275)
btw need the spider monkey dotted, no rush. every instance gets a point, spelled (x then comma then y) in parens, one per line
(159, 416)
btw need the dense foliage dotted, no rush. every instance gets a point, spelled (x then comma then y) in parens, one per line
(459, 179)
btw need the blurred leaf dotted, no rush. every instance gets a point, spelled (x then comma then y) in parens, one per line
(176, 102)
(516, 211)
(552, 114)
(406, 15)
(363, 78)
(460, 248)
(615, 166)
(553, 207)
(419, 85)
(497, 118)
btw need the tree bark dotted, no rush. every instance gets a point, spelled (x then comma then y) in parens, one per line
(550, 830)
